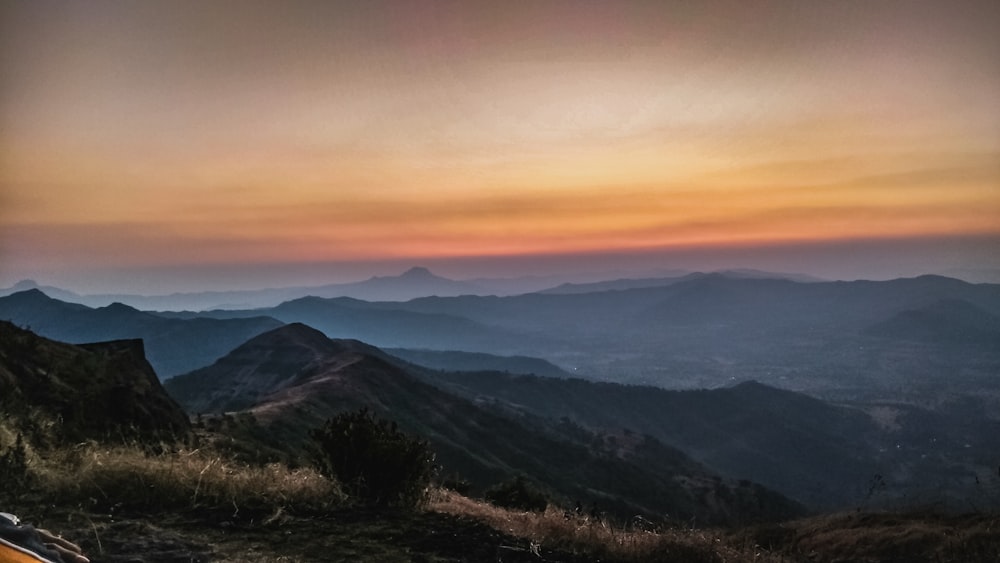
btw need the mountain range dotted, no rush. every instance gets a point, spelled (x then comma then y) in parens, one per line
(415, 282)
(173, 345)
(835, 340)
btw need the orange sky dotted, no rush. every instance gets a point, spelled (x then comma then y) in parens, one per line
(181, 134)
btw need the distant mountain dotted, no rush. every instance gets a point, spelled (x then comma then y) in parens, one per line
(700, 331)
(384, 324)
(52, 392)
(173, 345)
(638, 283)
(947, 320)
(293, 378)
(710, 330)
(415, 282)
(820, 454)
(614, 285)
(54, 292)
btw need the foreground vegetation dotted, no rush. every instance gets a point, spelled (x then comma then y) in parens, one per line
(123, 501)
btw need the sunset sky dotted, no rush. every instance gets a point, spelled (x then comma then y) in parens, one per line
(153, 146)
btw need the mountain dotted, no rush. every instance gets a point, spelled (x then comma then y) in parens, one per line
(820, 454)
(415, 282)
(638, 283)
(173, 345)
(293, 378)
(569, 288)
(384, 324)
(53, 392)
(55, 292)
(947, 320)
(712, 330)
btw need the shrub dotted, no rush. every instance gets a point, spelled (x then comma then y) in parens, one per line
(518, 494)
(373, 460)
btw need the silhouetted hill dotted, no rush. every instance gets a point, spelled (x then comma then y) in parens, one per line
(54, 393)
(291, 380)
(820, 454)
(947, 320)
(173, 345)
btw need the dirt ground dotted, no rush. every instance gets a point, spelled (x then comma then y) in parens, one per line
(350, 535)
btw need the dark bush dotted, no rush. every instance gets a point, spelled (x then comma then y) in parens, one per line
(14, 475)
(517, 494)
(457, 483)
(375, 463)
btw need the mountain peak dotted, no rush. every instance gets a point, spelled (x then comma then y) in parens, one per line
(292, 334)
(417, 272)
(33, 293)
(119, 307)
(25, 285)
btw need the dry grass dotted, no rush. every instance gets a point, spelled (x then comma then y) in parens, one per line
(553, 529)
(125, 478)
(909, 536)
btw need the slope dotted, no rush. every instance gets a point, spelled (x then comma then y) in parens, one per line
(53, 393)
(293, 378)
(820, 454)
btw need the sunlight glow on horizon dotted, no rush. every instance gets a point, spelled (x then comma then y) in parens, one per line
(150, 134)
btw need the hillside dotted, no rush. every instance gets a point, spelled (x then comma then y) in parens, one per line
(293, 378)
(173, 345)
(54, 393)
(163, 505)
(820, 454)
(478, 361)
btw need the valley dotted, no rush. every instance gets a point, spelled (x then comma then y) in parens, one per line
(723, 401)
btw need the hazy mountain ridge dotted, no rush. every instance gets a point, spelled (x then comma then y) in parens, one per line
(413, 283)
(703, 331)
(946, 320)
(172, 345)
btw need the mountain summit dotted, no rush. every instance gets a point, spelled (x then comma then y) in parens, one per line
(419, 272)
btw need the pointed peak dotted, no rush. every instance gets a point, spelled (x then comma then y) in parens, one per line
(417, 272)
(33, 293)
(25, 285)
(119, 307)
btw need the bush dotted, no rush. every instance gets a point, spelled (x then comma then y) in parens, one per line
(374, 462)
(517, 494)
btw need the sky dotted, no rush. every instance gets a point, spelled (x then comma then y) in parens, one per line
(156, 146)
